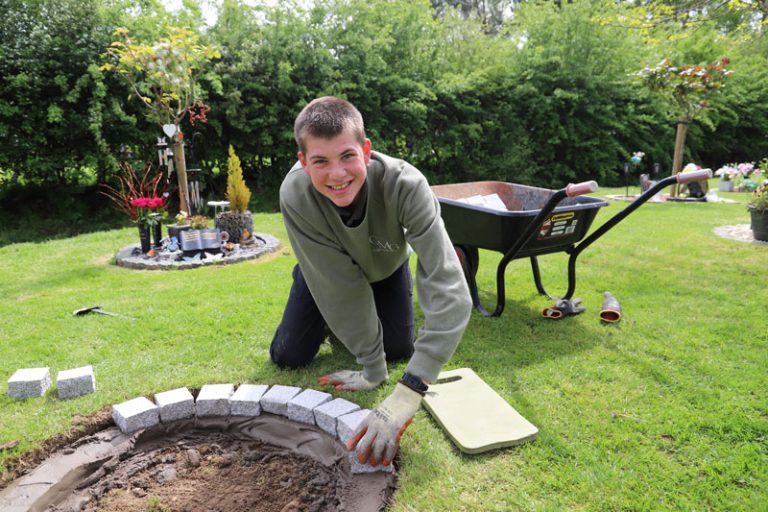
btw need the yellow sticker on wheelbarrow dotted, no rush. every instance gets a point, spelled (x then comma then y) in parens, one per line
(559, 224)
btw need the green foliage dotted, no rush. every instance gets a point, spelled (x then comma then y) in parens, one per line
(238, 193)
(163, 75)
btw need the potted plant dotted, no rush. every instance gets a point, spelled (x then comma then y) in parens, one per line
(726, 174)
(149, 217)
(758, 211)
(181, 224)
(237, 220)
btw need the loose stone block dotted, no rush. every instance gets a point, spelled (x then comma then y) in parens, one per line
(76, 382)
(135, 414)
(300, 408)
(29, 382)
(276, 399)
(246, 400)
(346, 426)
(326, 414)
(213, 400)
(176, 404)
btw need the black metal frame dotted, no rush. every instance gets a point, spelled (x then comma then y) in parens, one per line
(470, 266)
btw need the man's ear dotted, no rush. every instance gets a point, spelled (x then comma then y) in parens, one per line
(367, 151)
(303, 161)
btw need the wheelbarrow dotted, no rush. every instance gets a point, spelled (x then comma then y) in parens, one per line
(536, 221)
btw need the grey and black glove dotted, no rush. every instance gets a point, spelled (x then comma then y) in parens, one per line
(563, 308)
(611, 310)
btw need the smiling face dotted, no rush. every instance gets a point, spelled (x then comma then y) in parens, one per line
(336, 166)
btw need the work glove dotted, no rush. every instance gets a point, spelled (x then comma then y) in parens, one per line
(611, 310)
(378, 436)
(563, 308)
(349, 380)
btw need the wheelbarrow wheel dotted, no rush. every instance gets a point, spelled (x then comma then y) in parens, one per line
(469, 259)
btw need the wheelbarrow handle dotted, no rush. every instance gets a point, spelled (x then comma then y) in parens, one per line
(687, 177)
(577, 189)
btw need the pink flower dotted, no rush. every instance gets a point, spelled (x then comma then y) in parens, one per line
(140, 202)
(156, 202)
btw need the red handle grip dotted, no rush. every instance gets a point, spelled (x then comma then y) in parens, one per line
(687, 177)
(577, 189)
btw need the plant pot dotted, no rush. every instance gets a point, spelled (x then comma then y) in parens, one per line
(725, 186)
(176, 229)
(234, 223)
(157, 234)
(759, 224)
(146, 244)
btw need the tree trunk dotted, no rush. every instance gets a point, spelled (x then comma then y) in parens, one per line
(181, 175)
(677, 161)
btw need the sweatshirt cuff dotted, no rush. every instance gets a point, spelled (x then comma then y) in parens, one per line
(376, 373)
(424, 366)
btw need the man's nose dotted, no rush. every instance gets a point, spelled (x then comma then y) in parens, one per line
(336, 169)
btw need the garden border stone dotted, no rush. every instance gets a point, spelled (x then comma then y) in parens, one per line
(76, 382)
(127, 257)
(247, 400)
(301, 407)
(176, 404)
(213, 400)
(29, 383)
(136, 414)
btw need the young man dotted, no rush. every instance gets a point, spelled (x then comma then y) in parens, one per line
(351, 215)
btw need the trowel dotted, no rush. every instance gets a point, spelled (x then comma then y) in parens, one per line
(97, 309)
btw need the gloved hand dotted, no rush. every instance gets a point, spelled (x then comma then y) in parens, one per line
(563, 308)
(378, 437)
(349, 380)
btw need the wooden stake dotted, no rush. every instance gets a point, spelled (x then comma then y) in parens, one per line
(677, 160)
(181, 173)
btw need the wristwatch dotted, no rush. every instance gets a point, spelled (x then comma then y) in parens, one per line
(415, 383)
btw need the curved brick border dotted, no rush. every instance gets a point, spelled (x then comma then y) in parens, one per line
(126, 258)
(335, 416)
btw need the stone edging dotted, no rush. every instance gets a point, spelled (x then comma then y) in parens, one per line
(738, 232)
(125, 257)
(337, 417)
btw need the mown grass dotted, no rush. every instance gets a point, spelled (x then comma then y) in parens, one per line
(666, 410)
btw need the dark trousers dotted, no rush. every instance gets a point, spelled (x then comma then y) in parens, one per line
(302, 330)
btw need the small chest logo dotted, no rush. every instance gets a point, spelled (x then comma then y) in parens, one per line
(382, 245)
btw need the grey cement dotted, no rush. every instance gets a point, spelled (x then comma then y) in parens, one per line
(126, 257)
(300, 408)
(76, 382)
(738, 232)
(213, 400)
(176, 404)
(135, 415)
(276, 399)
(326, 414)
(29, 383)
(246, 400)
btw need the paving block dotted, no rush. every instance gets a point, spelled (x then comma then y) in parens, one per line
(76, 382)
(245, 401)
(29, 382)
(346, 426)
(300, 408)
(213, 400)
(326, 414)
(276, 399)
(176, 404)
(135, 414)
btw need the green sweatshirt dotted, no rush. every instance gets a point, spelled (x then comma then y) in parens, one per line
(339, 262)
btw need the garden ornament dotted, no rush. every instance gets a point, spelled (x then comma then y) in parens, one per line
(563, 308)
(611, 310)
(97, 309)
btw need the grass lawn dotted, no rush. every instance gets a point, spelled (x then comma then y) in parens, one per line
(667, 410)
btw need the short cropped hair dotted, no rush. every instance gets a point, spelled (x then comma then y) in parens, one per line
(327, 117)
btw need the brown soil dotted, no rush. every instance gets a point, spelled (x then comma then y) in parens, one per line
(216, 473)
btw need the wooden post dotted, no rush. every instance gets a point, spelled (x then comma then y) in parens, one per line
(677, 160)
(181, 174)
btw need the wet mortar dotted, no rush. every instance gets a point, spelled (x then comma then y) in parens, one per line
(265, 463)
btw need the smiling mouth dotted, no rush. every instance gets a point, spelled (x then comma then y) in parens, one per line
(337, 188)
